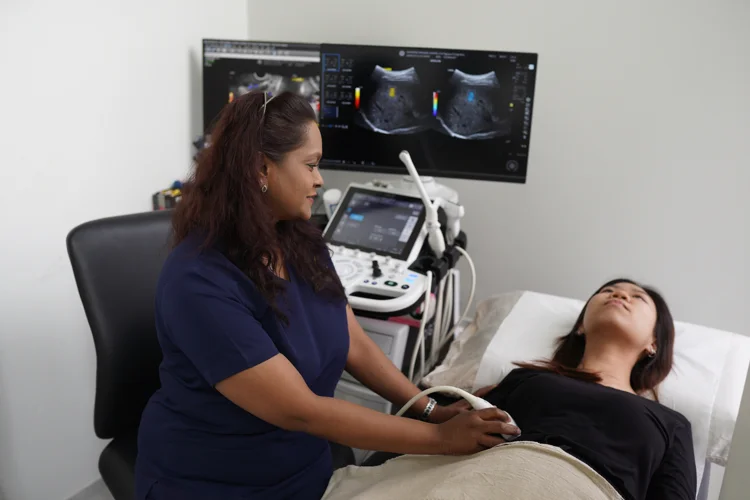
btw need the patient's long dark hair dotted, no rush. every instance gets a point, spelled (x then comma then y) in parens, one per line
(647, 373)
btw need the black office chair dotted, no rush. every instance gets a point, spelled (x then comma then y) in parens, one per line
(116, 264)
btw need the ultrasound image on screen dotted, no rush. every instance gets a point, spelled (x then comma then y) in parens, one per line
(380, 224)
(458, 113)
(394, 104)
(475, 107)
(233, 68)
(274, 84)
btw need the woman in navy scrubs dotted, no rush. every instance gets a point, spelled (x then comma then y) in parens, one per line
(255, 331)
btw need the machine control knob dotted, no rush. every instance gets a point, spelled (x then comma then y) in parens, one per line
(376, 271)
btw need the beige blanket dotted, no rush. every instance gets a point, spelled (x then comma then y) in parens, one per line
(510, 471)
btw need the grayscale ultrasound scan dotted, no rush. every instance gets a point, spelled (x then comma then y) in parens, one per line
(475, 108)
(308, 87)
(232, 68)
(396, 105)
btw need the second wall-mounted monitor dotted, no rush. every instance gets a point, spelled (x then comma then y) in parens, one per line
(459, 113)
(234, 67)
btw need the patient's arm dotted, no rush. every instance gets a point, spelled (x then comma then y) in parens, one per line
(675, 479)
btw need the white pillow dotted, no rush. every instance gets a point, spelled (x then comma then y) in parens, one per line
(523, 326)
(459, 368)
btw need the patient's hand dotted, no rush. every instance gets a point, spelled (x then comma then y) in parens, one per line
(444, 413)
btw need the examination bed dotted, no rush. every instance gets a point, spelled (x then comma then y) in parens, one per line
(706, 383)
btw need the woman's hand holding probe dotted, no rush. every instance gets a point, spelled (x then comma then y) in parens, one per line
(471, 432)
(444, 413)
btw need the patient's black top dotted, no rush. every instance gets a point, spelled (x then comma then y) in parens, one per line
(644, 449)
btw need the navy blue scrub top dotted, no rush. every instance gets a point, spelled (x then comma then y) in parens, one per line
(212, 323)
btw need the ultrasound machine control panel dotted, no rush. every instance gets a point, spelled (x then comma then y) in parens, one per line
(375, 234)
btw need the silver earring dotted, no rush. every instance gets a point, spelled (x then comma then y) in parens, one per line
(264, 188)
(651, 354)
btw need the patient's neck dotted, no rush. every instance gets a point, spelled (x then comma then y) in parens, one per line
(613, 363)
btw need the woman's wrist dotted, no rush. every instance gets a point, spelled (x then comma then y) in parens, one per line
(417, 408)
(443, 413)
(428, 410)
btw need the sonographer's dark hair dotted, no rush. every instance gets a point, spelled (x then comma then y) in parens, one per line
(647, 373)
(222, 200)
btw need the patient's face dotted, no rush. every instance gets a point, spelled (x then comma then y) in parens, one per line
(624, 310)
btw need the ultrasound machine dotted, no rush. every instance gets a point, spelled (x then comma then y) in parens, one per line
(375, 235)
(395, 245)
(380, 239)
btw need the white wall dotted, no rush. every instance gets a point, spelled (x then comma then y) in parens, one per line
(98, 104)
(639, 157)
(640, 142)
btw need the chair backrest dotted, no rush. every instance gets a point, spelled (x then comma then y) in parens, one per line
(116, 263)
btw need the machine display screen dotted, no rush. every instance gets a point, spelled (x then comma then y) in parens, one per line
(459, 113)
(375, 221)
(232, 68)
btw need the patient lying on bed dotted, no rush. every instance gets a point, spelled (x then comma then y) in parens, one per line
(589, 417)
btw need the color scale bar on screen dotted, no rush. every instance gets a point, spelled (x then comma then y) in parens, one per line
(434, 103)
(356, 98)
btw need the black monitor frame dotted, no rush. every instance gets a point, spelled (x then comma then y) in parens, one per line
(426, 152)
(431, 155)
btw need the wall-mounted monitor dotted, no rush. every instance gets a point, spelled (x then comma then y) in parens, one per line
(459, 113)
(234, 67)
